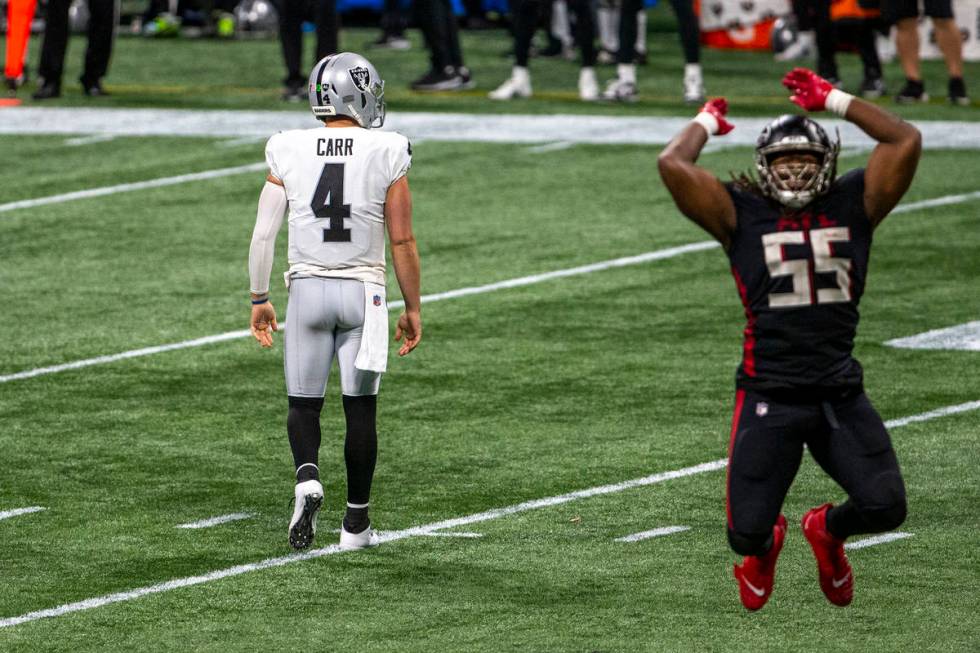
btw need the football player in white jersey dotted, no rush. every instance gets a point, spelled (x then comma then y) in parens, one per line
(343, 183)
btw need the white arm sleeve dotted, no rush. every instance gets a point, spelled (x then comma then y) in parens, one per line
(272, 207)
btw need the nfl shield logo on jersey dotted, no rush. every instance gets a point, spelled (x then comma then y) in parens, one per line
(377, 300)
(361, 77)
(762, 409)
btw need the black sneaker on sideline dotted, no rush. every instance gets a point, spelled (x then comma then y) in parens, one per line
(872, 88)
(438, 80)
(913, 91)
(94, 89)
(47, 91)
(957, 92)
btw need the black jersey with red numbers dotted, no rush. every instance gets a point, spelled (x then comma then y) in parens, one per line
(800, 274)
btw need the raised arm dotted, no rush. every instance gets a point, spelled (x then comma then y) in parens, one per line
(405, 256)
(699, 194)
(892, 163)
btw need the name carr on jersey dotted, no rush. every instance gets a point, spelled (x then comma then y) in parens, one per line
(335, 146)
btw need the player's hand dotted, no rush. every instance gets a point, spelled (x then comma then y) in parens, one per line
(718, 108)
(264, 323)
(409, 327)
(809, 89)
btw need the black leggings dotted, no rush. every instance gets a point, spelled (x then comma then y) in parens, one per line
(527, 15)
(687, 26)
(291, 34)
(847, 439)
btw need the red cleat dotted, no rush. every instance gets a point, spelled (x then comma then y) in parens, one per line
(757, 574)
(836, 576)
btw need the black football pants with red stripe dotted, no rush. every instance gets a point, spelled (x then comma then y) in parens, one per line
(846, 437)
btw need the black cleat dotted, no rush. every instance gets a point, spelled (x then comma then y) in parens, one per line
(47, 91)
(957, 92)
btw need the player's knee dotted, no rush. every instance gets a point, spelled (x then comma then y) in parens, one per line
(749, 544)
(885, 507)
(361, 414)
(303, 409)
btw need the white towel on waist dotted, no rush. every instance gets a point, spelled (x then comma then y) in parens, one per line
(373, 354)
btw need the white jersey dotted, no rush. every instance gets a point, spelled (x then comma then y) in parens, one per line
(336, 181)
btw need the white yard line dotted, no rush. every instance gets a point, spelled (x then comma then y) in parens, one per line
(7, 514)
(393, 536)
(215, 521)
(457, 534)
(138, 185)
(656, 532)
(90, 139)
(877, 539)
(656, 255)
(962, 337)
(244, 140)
(933, 414)
(550, 147)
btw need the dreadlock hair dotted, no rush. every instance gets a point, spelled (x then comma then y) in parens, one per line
(747, 181)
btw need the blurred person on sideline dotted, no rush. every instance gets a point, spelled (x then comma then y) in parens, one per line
(905, 14)
(447, 72)
(291, 16)
(101, 28)
(20, 13)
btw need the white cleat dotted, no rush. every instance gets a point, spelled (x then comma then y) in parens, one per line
(302, 527)
(519, 85)
(619, 90)
(588, 86)
(802, 48)
(356, 541)
(693, 86)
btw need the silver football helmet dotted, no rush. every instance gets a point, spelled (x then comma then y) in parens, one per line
(347, 84)
(795, 184)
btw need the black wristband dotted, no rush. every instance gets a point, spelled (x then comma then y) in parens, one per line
(256, 302)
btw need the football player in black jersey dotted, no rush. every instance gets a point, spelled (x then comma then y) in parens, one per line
(798, 238)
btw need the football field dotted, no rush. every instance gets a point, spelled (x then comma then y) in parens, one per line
(551, 457)
(573, 388)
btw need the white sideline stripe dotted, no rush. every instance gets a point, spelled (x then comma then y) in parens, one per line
(7, 514)
(392, 536)
(137, 185)
(878, 539)
(244, 140)
(656, 532)
(933, 414)
(220, 519)
(550, 147)
(461, 534)
(454, 127)
(657, 255)
(88, 140)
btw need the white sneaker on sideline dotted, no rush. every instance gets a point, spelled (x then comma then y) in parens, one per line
(619, 90)
(588, 86)
(802, 48)
(693, 84)
(518, 85)
(355, 541)
(302, 527)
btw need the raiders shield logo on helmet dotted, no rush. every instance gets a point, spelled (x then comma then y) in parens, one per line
(361, 77)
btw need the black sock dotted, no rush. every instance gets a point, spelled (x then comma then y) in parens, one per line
(845, 520)
(356, 519)
(360, 446)
(303, 426)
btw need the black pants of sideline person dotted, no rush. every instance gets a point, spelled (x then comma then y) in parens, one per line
(438, 24)
(324, 13)
(100, 32)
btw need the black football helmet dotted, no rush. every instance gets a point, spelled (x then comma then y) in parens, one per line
(798, 185)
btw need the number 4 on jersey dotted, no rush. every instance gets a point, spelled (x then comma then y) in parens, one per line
(328, 202)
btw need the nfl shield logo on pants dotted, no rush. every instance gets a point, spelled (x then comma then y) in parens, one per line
(377, 300)
(762, 409)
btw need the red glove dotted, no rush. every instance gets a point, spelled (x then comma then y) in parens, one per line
(716, 109)
(809, 89)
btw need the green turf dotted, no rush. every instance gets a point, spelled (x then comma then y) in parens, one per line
(514, 395)
(246, 74)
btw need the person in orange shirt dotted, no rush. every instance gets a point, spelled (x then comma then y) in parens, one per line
(20, 13)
